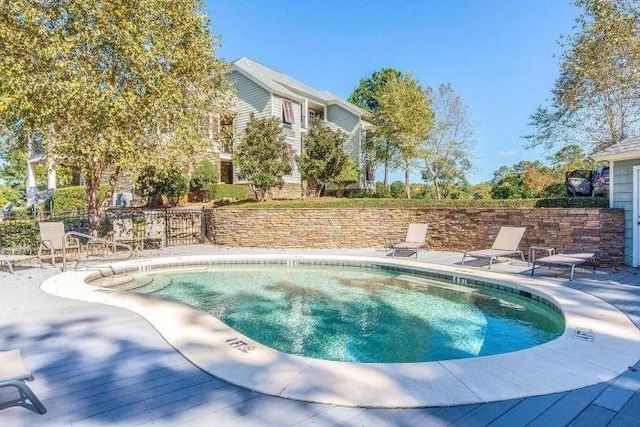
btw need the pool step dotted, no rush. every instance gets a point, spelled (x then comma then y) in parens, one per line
(140, 283)
(157, 284)
(137, 281)
(112, 281)
(436, 283)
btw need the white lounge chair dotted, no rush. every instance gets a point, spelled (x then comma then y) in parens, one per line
(507, 243)
(568, 258)
(13, 373)
(416, 239)
(53, 238)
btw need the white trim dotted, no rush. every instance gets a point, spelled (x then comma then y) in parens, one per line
(626, 155)
(636, 215)
(305, 114)
(611, 193)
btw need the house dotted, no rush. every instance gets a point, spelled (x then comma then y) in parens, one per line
(624, 191)
(265, 92)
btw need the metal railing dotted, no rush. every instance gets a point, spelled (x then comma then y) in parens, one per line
(156, 228)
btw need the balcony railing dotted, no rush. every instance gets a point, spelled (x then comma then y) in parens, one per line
(313, 115)
(226, 147)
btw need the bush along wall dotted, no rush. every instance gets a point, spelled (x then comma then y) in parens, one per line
(230, 191)
(73, 199)
(19, 234)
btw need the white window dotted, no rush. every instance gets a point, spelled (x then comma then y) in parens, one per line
(287, 112)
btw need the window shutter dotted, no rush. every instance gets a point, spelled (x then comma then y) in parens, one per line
(287, 112)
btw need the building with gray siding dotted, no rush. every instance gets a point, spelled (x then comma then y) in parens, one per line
(624, 191)
(265, 92)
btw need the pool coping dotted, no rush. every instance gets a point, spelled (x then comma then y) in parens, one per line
(566, 363)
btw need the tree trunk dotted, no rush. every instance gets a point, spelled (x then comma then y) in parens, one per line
(386, 174)
(386, 167)
(435, 173)
(93, 186)
(95, 205)
(407, 183)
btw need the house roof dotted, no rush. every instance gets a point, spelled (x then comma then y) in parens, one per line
(623, 150)
(283, 85)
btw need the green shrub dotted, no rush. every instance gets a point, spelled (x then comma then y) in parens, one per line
(8, 194)
(231, 191)
(153, 183)
(209, 191)
(573, 202)
(555, 190)
(421, 191)
(74, 199)
(70, 199)
(19, 233)
(397, 190)
(321, 203)
(206, 173)
(382, 191)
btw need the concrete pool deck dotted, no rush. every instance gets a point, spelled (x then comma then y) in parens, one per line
(565, 363)
(88, 362)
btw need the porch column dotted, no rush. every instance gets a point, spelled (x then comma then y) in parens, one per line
(51, 175)
(31, 176)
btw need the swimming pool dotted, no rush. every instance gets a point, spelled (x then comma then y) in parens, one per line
(359, 314)
(598, 342)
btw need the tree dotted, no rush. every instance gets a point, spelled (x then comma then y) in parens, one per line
(398, 189)
(481, 190)
(350, 174)
(446, 149)
(524, 180)
(568, 158)
(366, 96)
(596, 98)
(536, 177)
(323, 157)
(109, 86)
(404, 118)
(8, 194)
(261, 156)
(204, 179)
(156, 182)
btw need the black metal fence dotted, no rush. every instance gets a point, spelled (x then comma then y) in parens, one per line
(160, 226)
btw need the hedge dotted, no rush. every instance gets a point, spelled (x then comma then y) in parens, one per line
(73, 199)
(25, 233)
(20, 234)
(322, 202)
(231, 191)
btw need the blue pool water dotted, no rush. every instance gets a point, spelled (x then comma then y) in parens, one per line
(362, 314)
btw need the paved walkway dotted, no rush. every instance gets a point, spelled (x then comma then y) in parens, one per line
(101, 365)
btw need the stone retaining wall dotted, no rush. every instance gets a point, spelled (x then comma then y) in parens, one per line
(449, 229)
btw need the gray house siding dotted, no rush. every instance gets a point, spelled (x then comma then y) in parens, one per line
(292, 133)
(622, 198)
(339, 118)
(252, 98)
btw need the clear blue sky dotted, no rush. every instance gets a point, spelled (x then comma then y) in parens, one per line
(501, 56)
